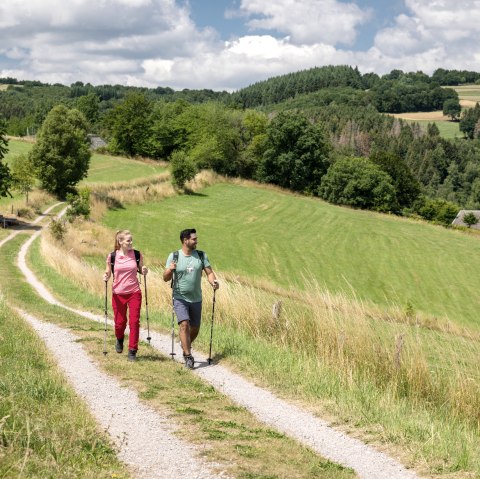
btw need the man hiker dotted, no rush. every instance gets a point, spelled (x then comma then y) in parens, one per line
(185, 267)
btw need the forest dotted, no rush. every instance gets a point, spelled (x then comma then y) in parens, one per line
(324, 132)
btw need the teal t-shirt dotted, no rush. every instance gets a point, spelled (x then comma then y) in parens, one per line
(188, 276)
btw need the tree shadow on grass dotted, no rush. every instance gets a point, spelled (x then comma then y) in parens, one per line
(21, 225)
(190, 192)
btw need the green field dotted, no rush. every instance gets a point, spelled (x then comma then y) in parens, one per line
(468, 92)
(17, 147)
(103, 168)
(107, 169)
(448, 129)
(284, 238)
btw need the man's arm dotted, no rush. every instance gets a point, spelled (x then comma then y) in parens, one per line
(170, 267)
(212, 278)
(168, 273)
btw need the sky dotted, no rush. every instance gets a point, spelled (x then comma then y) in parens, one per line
(230, 44)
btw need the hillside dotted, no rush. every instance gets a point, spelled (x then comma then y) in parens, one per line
(290, 240)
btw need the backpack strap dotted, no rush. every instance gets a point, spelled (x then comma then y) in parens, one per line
(112, 260)
(174, 260)
(201, 255)
(137, 259)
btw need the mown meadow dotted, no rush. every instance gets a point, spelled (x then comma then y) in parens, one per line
(291, 240)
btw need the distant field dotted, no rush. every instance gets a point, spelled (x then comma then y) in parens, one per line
(447, 128)
(284, 238)
(17, 147)
(103, 168)
(469, 95)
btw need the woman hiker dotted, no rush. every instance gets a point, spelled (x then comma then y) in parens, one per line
(124, 263)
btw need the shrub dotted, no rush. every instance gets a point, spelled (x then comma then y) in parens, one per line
(470, 219)
(58, 229)
(79, 204)
(438, 210)
(182, 167)
(358, 182)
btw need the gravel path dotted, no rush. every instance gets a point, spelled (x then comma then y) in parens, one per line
(37, 220)
(293, 421)
(144, 439)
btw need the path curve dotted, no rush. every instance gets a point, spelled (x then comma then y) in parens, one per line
(313, 432)
(37, 220)
(144, 439)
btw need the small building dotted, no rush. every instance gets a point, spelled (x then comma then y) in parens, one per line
(458, 221)
(96, 142)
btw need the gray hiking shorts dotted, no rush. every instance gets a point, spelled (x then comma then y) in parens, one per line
(185, 311)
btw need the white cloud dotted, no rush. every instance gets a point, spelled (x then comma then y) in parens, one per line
(307, 21)
(435, 33)
(244, 61)
(155, 42)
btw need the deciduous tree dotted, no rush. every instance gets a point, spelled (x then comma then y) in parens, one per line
(23, 174)
(296, 153)
(452, 108)
(358, 182)
(61, 154)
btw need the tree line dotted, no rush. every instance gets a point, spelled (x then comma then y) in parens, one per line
(25, 104)
(344, 151)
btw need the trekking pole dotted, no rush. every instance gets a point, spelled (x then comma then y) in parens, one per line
(105, 335)
(172, 354)
(146, 308)
(211, 329)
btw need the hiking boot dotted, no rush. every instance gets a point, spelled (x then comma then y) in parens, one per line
(132, 355)
(119, 345)
(189, 361)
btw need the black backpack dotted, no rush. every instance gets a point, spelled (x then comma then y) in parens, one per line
(137, 259)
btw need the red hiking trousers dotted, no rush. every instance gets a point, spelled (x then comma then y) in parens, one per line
(120, 303)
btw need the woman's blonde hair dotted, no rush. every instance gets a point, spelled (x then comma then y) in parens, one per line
(119, 235)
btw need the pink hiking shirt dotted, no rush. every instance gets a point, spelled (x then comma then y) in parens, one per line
(125, 279)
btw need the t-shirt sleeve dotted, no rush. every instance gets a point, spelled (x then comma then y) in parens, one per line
(169, 260)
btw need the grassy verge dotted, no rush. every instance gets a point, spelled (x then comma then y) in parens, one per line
(45, 430)
(228, 435)
(344, 380)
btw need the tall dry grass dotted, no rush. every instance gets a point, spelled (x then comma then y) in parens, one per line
(114, 195)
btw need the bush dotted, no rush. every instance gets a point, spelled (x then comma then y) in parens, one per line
(79, 204)
(182, 167)
(27, 213)
(58, 229)
(358, 182)
(470, 219)
(438, 210)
